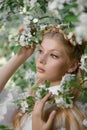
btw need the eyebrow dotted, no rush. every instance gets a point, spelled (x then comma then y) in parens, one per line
(53, 50)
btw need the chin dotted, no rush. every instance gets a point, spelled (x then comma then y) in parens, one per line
(40, 76)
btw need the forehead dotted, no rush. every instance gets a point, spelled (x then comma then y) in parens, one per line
(52, 44)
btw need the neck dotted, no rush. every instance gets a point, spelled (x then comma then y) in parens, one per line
(54, 83)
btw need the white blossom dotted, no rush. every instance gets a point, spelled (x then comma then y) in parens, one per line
(66, 78)
(84, 62)
(25, 37)
(62, 103)
(24, 9)
(42, 27)
(26, 2)
(22, 41)
(83, 18)
(26, 20)
(79, 38)
(59, 101)
(38, 95)
(35, 20)
(30, 75)
(32, 3)
(82, 3)
(52, 5)
(70, 35)
(81, 29)
(85, 122)
(53, 8)
(55, 13)
(55, 5)
(24, 106)
(10, 37)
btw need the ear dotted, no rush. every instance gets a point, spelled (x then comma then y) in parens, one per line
(73, 66)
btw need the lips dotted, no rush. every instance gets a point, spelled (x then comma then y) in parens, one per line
(39, 69)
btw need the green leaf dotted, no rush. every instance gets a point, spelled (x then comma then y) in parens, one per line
(84, 98)
(71, 95)
(30, 100)
(43, 92)
(1, 46)
(2, 127)
(43, 4)
(85, 89)
(71, 18)
(67, 8)
(36, 88)
(68, 101)
(74, 4)
(47, 84)
(33, 68)
(16, 48)
(85, 51)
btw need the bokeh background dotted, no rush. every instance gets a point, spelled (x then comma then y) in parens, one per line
(18, 14)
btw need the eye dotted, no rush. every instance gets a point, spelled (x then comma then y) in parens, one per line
(40, 51)
(54, 56)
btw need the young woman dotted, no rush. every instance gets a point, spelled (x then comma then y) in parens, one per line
(57, 57)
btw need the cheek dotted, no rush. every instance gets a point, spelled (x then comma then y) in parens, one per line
(55, 66)
(59, 68)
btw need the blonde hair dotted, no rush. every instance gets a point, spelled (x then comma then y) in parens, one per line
(70, 118)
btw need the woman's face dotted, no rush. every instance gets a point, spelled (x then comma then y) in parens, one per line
(52, 61)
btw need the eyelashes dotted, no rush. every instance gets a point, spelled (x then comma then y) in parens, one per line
(40, 51)
(52, 55)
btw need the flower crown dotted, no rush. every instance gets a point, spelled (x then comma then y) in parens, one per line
(68, 36)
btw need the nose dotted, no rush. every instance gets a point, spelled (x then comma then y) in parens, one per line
(43, 58)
